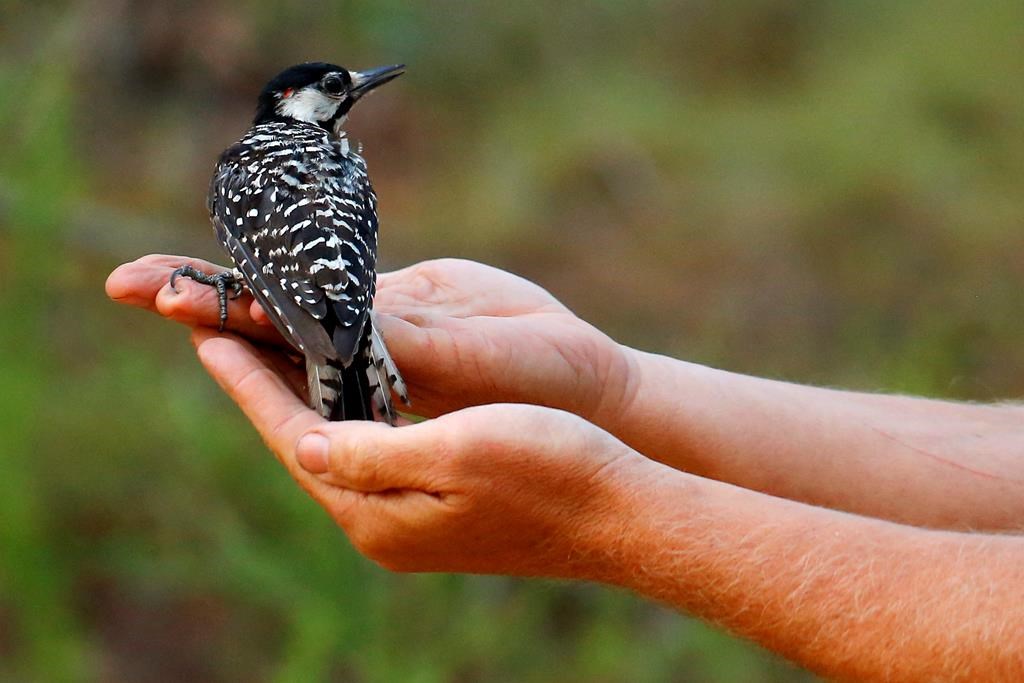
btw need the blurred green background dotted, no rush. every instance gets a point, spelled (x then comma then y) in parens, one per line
(825, 191)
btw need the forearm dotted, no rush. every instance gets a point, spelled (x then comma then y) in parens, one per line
(917, 461)
(846, 596)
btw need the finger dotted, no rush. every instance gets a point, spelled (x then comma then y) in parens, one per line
(423, 285)
(145, 283)
(136, 283)
(292, 370)
(459, 288)
(422, 350)
(195, 304)
(372, 457)
(277, 413)
(442, 361)
(415, 340)
(258, 315)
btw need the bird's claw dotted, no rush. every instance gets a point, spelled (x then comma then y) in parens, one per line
(222, 282)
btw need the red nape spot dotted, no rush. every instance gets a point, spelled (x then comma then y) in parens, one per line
(287, 93)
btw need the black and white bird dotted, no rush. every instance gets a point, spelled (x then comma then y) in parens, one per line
(292, 205)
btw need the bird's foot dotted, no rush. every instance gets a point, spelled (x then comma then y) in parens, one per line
(228, 284)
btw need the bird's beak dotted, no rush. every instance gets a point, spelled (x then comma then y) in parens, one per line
(365, 81)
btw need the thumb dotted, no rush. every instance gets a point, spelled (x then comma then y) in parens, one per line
(373, 457)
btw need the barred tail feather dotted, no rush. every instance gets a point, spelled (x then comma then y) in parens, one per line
(381, 395)
(384, 377)
(381, 359)
(337, 392)
(324, 384)
(360, 391)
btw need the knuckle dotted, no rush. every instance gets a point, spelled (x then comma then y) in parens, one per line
(429, 279)
(284, 425)
(367, 465)
(251, 376)
(429, 268)
(355, 461)
(338, 456)
(425, 283)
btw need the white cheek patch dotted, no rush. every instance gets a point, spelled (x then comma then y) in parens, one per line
(308, 104)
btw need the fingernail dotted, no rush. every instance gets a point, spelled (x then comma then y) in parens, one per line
(311, 452)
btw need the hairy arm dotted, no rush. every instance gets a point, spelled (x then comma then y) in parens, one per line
(523, 490)
(918, 461)
(846, 596)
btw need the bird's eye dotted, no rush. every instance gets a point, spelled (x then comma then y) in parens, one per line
(333, 85)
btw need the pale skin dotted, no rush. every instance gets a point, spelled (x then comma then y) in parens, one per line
(728, 497)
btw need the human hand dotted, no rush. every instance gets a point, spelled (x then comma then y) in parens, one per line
(465, 334)
(145, 282)
(461, 333)
(505, 489)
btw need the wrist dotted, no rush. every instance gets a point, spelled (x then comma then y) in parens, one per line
(639, 399)
(620, 381)
(604, 541)
(650, 409)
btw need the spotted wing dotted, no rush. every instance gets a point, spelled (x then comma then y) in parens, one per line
(299, 220)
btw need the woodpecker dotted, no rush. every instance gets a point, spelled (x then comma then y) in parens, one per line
(292, 205)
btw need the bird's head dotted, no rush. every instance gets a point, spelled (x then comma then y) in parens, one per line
(319, 93)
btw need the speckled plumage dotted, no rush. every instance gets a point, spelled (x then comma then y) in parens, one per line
(292, 204)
